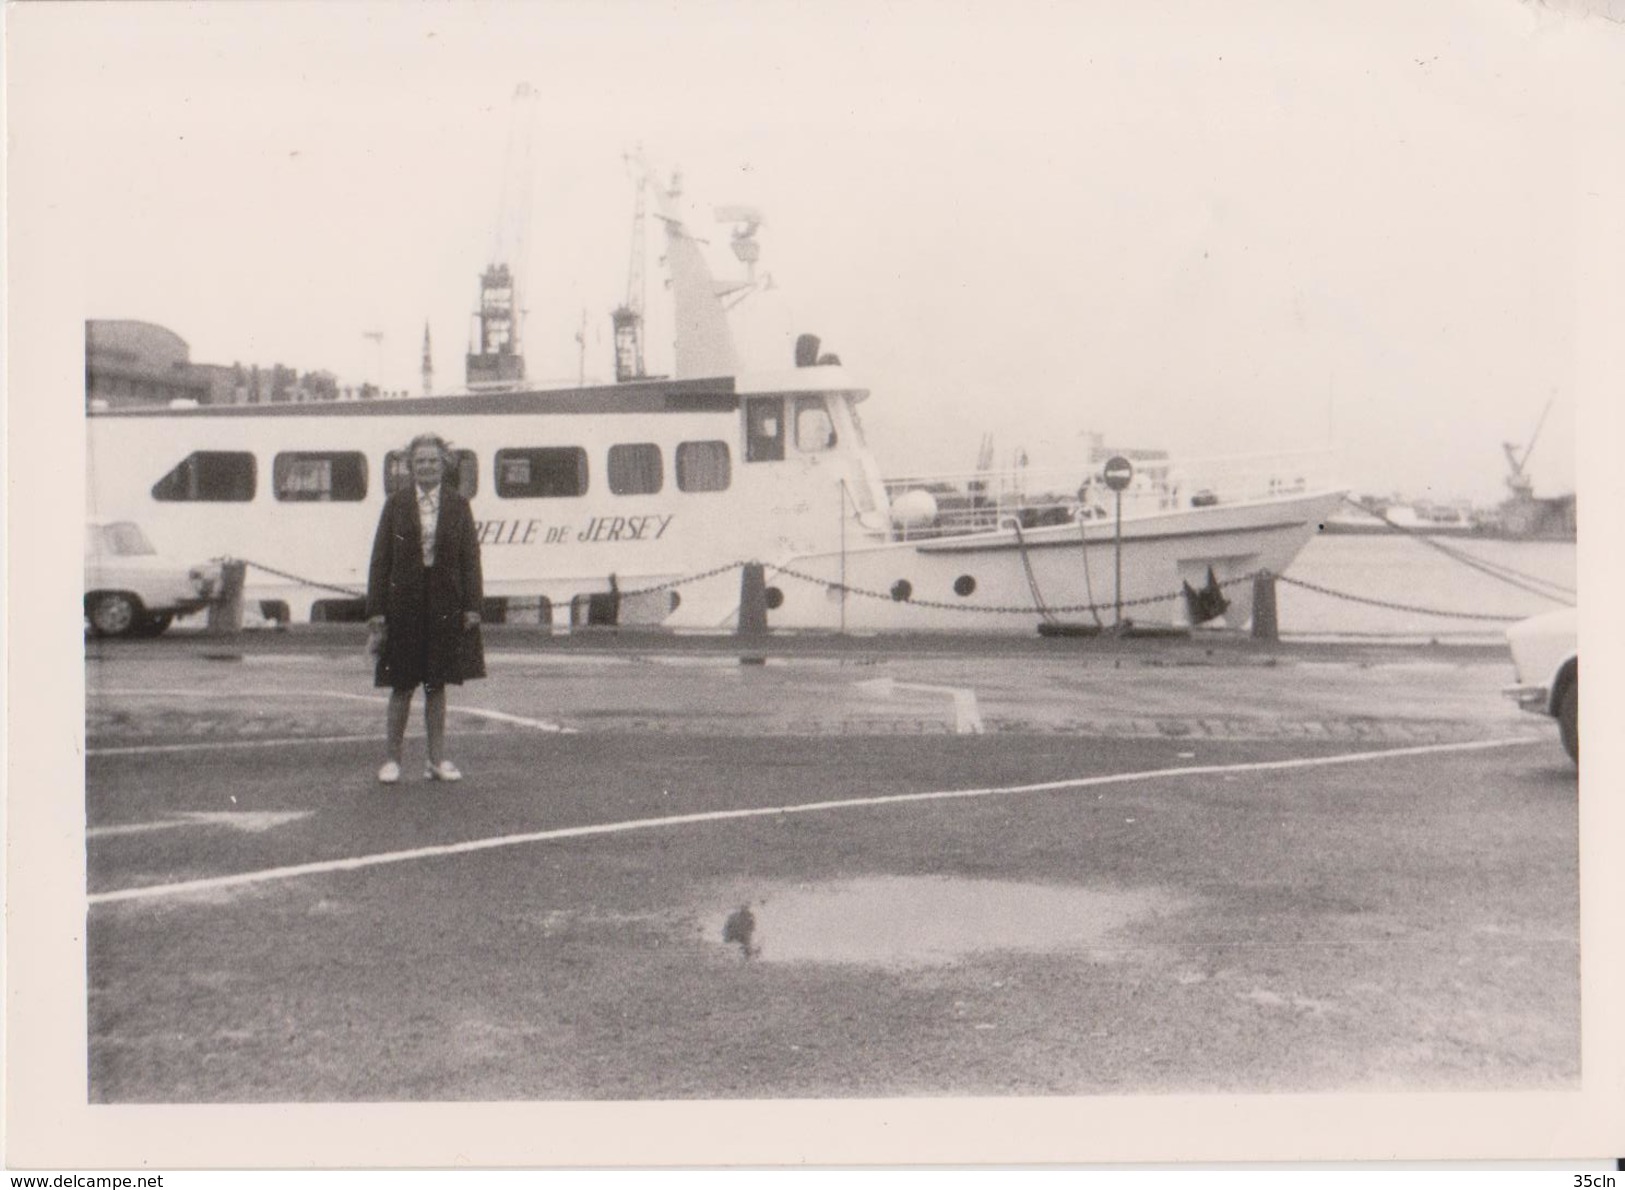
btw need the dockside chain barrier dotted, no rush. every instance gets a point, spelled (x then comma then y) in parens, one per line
(225, 615)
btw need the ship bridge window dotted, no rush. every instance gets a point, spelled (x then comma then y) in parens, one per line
(814, 429)
(703, 467)
(462, 472)
(209, 475)
(319, 475)
(764, 429)
(635, 469)
(547, 472)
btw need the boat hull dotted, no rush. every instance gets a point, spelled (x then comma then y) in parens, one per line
(1015, 582)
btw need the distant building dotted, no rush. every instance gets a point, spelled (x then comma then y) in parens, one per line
(129, 363)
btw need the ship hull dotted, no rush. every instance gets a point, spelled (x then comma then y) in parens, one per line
(1010, 582)
(788, 486)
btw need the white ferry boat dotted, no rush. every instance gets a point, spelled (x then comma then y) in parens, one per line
(639, 503)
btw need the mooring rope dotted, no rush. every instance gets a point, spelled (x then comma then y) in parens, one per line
(1496, 570)
(1088, 583)
(1032, 579)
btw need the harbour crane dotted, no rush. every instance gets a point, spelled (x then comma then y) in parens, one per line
(1518, 481)
(627, 318)
(496, 359)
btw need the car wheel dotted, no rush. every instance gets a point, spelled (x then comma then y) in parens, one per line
(1568, 720)
(116, 614)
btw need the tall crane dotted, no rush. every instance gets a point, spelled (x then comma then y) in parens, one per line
(627, 318)
(496, 359)
(1519, 480)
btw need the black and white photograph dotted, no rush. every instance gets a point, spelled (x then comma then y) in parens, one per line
(702, 583)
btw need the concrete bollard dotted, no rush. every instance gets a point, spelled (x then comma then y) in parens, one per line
(752, 600)
(226, 612)
(1264, 619)
(752, 623)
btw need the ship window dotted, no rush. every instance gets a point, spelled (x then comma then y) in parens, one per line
(702, 466)
(541, 471)
(764, 429)
(462, 472)
(635, 470)
(212, 475)
(301, 475)
(814, 429)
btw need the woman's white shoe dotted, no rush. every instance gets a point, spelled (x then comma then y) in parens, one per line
(444, 771)
(390, 773)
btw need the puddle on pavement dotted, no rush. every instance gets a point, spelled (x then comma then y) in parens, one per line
(924, 921)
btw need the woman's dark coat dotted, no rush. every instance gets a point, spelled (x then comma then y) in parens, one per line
(425, 642)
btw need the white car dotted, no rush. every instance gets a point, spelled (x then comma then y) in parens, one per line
(133, 590)
(1546, 662)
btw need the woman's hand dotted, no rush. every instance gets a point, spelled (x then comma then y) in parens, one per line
(471, 620)
(377, 633)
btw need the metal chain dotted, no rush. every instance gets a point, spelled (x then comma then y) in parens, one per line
(1048, 611)
(685, 579)
(310, 582)
(996, 609)
(1391, 605)
(304, 582)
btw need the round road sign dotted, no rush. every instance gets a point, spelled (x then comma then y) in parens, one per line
(1118, 473)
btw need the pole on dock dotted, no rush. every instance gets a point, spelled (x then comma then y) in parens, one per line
(1117, 561)
(843, 556)
(1118, 473)
(226, 612)
(1264, 617)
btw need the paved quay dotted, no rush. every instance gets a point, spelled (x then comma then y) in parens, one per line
(711, 868)
(1204, 686)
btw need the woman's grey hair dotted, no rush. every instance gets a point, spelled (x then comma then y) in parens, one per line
(434, 440)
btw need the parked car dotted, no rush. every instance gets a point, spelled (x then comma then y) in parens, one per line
(133, 590)
(1546, 662)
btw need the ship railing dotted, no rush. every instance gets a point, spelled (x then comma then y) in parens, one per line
(953, 503)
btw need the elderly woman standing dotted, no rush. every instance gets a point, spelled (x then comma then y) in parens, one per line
(423, 602)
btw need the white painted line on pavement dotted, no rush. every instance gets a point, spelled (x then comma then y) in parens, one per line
(476, 712)
(215, 745)
(967, 718)
(252, 821)
(355, 863)
(379, 699)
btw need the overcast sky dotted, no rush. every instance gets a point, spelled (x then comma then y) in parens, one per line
(1215, 228)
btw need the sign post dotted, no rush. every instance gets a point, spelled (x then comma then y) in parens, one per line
(1118, 473)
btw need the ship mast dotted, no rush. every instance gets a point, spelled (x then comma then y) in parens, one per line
(428, 362)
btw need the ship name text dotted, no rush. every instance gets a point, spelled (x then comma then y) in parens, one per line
(599, 528)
